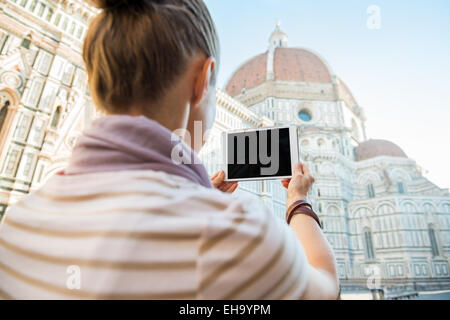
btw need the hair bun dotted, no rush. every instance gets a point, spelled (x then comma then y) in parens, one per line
(115, 4)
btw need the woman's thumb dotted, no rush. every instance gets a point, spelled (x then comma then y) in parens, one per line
(298, 169)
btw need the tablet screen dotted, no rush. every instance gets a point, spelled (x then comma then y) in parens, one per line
(259, 154)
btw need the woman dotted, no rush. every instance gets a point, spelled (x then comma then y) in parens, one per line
(124, 221)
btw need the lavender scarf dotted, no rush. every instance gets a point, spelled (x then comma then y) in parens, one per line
(119, 143)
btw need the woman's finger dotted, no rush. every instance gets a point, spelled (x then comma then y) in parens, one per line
(216, 183)
(306, 170)
(218, 180)
(218, 175)
(286, 182)
(215, 175)
(225, 186)
(298, 169)
(231, 187)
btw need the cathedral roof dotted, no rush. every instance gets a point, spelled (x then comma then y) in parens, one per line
(289, 64)
(377, 148)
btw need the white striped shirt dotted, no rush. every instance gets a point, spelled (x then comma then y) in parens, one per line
(145, 235)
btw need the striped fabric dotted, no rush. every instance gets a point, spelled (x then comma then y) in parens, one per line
(145, 235)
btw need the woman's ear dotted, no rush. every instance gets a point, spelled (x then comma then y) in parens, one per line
(203, 81)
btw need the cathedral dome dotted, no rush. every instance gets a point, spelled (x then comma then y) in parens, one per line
(377, 148)
(289, 64)
(280, 64)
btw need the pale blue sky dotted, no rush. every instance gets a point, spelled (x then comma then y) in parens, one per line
(399, 74)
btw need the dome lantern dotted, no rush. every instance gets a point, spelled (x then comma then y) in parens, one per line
(279, 38)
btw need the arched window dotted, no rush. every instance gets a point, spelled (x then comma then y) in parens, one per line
(305, 143)
(400, 187)
(3, 113)
(26, 42)
(355, 130)
(321, 142)
(369, 252)
(56, 118)
(370, 191)
(433, 241)
(341, 148)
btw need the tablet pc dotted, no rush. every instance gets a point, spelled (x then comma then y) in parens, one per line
(260, 154)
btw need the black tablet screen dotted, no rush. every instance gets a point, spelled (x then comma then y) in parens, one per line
(259, 154)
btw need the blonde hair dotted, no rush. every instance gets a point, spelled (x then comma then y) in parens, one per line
(135, 50)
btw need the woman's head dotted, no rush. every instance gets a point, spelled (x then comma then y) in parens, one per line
(137, 51)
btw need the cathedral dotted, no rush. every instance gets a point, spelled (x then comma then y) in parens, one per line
(44, 97)
(383, 218)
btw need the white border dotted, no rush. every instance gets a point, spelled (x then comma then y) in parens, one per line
(293, 139)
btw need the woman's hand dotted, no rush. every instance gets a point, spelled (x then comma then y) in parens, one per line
(300, 184)
(218, 182)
